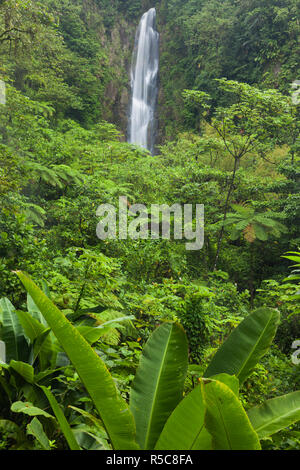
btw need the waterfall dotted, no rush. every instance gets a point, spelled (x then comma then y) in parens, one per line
(144, 83)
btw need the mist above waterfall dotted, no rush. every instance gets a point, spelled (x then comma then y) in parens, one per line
(144, 83)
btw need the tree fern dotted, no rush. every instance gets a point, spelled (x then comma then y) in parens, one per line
(253, 225)
(35, 214)
(57, 175)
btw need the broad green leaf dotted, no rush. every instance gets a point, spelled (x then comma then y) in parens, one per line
(293, 258)
(34, 311)
(12, 333)
(158, 385)
(113, 410)
(35, 428)
(63, 423)
(230, 380)
(38, 335)
(226, 419)
(29, 409)
(246, 345)
(185, 429)
(42, 347)
(45, 288)
(40, 342)
(25, 370)
(275, 414)
(91, 438)
(32, 327)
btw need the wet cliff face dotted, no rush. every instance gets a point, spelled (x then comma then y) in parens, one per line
(118, 41)
(115, 23)
(119, 45)
(82, 55)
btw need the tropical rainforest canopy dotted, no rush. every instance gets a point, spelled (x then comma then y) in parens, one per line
(135, 343)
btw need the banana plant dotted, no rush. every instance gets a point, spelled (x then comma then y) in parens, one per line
(160, 416)
(113, 410)
(29, 358)
(26, 337)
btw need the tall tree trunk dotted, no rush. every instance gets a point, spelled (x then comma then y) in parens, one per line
(221, 234)
(252, 275)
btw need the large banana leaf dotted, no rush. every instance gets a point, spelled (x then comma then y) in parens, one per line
(230, 380)
(12, 333)
(23, 369)
(226, 419)
(31, 326)
(63, 423)
(113, 410)
(158, 385)
(29, 409)
(43, 341)
(185, 429)
(35, 428)
(38, 335)
(246, 345)
(34, 311)
(275, 414)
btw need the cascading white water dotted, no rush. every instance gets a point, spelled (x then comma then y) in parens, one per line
(144, 83)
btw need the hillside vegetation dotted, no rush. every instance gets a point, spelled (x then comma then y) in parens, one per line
(228, 139)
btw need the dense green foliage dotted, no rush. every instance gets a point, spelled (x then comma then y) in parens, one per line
(220, 422)
(251, 41)
(230, 143)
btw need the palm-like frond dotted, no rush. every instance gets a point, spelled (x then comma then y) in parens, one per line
(112, 319)
(253, 225)
(293, 256)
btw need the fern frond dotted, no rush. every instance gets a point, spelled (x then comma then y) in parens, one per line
(35, 214)
(260, 232)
